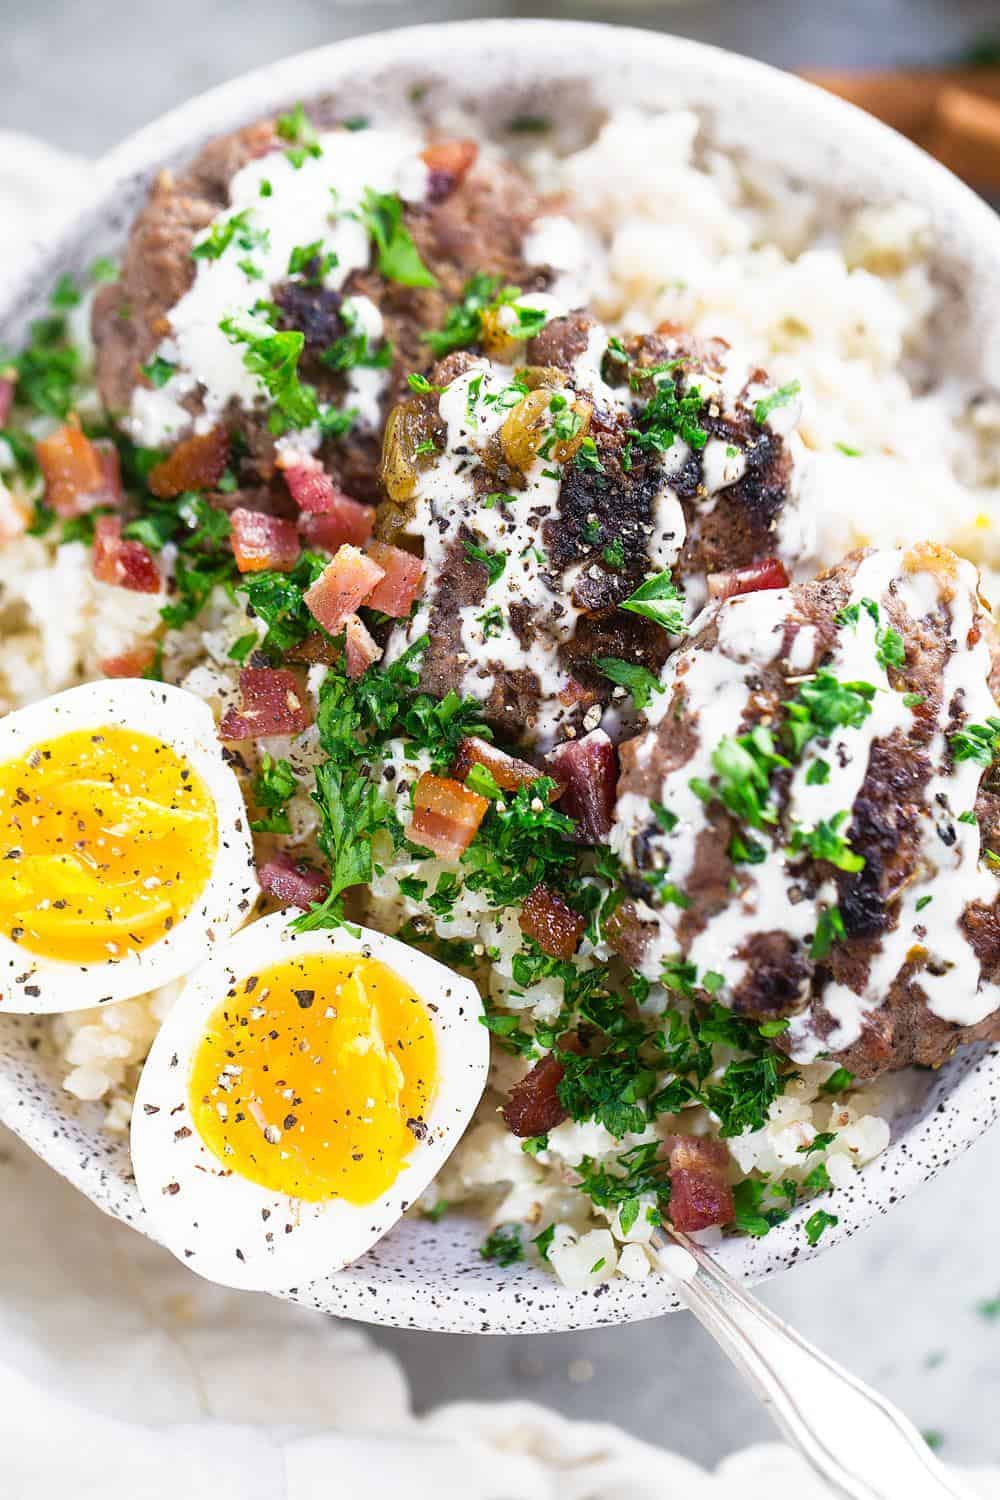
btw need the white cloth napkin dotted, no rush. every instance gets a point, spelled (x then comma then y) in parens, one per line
(125, 1377)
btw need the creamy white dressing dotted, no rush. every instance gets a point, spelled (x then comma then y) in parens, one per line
(366, 386)
(316, 202)
(949, 874)
(473, 408)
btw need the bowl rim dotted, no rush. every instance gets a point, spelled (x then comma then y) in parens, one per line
(964, 1099)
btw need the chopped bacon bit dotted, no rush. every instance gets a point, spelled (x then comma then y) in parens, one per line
(448, 162)
(292, 882)
(346, 520)
(533, 1106)
(127, 564)
(404, 573)
(769, 573)
(197, 463)
(130, 663)
(75, 477)
(260, 541)
(575, 694)
(7, 384)
(345, 583)
(700, 1193)
(446, 815)
(507, 771)
(309, 485)
(271, 702)
(552, 922)
(359, 648)
(588, 769)
(316, 647)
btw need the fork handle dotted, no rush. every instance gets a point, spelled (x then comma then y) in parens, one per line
(855, 1440)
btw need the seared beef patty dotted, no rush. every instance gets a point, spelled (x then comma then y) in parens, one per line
(809, 826)
(462, 215)
(547, 481)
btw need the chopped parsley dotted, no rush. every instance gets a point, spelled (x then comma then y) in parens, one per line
(660, 600)
(398, 257)
(818, 1223)
(978, 742)
(297, 128)
(493, 562)
(503, 1245)
(636, 679)
(158, 371)
(669, 415)
(826, 842)
(829, 930)
(838, 1082)
(781, 397)
(274, 784)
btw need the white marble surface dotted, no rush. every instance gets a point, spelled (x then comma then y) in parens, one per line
(899, 1304)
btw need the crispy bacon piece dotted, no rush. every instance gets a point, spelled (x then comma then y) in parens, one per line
(448, 162)
(309, 485)
(552, 922)
(507, 771)
(76, 479)
(346, 582)
(533, 1105)
(446, 815)
(346, 520)
(769, 573)
(260, 541)
(128, 564)
(395, 592)
(359, 648)
(292, 882)
(588, 769)
(131, 663)
(7, 384)
(271, 702)
(700, 1194)
(197, 463)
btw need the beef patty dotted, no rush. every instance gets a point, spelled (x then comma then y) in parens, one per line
(810, 826)
(547, 482)
(461, 215)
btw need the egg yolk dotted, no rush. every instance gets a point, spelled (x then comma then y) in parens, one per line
(107, 838)
(314, 1078)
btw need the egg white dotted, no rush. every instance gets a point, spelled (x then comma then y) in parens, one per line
(32, 984)
(232, 1230)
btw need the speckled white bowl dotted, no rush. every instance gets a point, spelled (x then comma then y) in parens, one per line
(428, 1275)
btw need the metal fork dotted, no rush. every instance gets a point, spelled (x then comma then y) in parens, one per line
(855, 1440)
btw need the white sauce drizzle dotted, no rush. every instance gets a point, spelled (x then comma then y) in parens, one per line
(315, 202)
(948, 869)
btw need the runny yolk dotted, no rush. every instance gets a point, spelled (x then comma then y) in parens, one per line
(314, 1078)
(107, 838)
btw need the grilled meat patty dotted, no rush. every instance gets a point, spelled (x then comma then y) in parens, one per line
(462, 216)
(548, 479)
(809, 825)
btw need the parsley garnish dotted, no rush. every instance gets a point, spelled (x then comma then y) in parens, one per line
(636, 679)
(503, 1245)
(978, 742)
(158, 371)
(273, 785)
(493, 562)
(659, 600)
(817, 1225)
(826, 842)
(297, 127)
(781, 397)
(398, 257)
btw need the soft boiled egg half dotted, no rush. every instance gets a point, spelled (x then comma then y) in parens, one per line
(125, 851)
(301, 1094)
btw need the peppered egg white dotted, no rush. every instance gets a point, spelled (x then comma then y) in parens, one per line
(301, 1094)
(125, 851)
